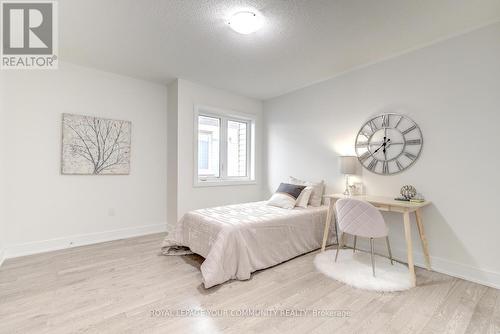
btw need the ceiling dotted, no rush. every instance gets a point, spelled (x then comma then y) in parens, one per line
(302, 41)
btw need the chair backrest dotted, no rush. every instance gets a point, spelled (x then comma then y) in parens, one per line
(360, 218)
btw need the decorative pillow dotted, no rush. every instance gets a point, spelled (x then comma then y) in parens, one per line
(286, 196)
(317, 192)
(304, 196)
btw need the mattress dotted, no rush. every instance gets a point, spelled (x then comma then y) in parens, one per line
(236, 240)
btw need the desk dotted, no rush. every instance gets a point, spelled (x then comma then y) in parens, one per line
(391, 205)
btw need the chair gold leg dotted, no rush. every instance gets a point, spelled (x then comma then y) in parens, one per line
(389, 249)
(373, 260)
(354, 247)
(340, 245)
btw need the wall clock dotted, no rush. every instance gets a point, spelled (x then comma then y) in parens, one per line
(388, 144)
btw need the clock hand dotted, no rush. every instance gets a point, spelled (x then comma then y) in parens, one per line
(379, 148)
(375, 143)
(390, 144)
(386, 141)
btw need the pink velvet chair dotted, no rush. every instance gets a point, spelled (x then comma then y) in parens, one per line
(359, 218)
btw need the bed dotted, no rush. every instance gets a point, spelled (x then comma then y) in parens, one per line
(236, 240)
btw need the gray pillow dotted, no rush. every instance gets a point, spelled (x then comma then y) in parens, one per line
(317, 193)
(286, 196)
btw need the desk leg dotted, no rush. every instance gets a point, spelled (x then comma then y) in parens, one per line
(423, 239)
(329, 216)
(409, 247)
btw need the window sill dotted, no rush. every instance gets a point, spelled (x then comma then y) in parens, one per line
(223, 183)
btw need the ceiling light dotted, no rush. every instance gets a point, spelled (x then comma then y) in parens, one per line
(245, 22)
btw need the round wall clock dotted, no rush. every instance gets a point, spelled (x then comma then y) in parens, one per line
(389, 144)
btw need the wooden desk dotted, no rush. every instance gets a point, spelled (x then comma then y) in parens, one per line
(389, 204)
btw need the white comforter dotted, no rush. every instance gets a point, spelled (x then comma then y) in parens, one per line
(237, 240)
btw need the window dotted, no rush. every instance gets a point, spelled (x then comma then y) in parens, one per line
(208, 146)
(224, 147)
(236, 148)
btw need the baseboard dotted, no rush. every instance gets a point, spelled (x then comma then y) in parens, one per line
(2, 256)
(444, 266)
(455, 269)
(80, 240)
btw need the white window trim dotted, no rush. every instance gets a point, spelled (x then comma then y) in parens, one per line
(224, 116)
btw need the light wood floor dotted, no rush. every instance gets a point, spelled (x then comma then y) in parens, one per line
(114, 287)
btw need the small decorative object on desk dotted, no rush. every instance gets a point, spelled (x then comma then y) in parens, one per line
(408, 192)
(357, 189)
(418, 198)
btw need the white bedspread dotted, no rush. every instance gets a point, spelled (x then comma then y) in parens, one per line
(237, 240)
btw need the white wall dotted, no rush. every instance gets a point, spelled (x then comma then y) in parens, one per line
(47, 210)
(451, 90)
(2, 166)
(172, 149)
(190, 197)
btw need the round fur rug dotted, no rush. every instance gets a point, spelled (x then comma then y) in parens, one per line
(356, 270)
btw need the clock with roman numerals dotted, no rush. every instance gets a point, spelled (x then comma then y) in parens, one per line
(388, 144)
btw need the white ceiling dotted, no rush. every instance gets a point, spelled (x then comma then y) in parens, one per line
(302, 42)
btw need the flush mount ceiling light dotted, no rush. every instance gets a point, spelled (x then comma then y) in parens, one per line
(245, 22)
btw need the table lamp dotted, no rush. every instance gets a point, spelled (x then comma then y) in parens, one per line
(348, 167)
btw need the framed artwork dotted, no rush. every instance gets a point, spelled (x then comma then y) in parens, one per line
(95, 146)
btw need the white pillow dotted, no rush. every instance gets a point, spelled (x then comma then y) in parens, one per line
(304, 196)
(286, 196)
(317, 192)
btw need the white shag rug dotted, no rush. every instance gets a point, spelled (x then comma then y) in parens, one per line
(356, 270)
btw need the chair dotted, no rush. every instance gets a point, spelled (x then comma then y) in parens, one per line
(360, 219)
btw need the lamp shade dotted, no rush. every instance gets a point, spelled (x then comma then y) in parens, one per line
(348, 164)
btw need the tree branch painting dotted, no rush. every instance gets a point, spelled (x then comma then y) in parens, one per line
(94, 145)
